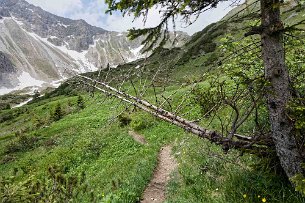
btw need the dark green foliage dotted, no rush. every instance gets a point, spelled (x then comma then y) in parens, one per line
(207, 98)
(5, 106)
(55, 187)
(169, 10)
(124, 119)
(11, 114)
(211, 59)
(80, 102)
(6, 116)
(209, 47)
(8, 106)
(8, 100)
(57, 114)
(22, 143)
(297, 113)
(140, 121)
(70, 88)
(7, 158)
(15, 193)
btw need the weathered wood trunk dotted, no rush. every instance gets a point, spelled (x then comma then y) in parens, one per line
(279, 91)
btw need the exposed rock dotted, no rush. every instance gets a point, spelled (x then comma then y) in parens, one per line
(50, 48)
(6, 65)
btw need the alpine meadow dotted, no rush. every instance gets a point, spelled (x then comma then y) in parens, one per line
(153, 114)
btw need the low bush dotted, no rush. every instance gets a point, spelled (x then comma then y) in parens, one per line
(55, 187)
(57, 114)
(141, 121)
(4, 106)
(80, 102)
(124, 119)
(22, 143)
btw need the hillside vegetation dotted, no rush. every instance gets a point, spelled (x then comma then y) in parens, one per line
(70, 145)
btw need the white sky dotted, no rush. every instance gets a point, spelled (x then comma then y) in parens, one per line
(93, 11)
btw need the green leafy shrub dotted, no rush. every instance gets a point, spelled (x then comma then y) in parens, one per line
(122, 196)
(141, 121)
(15, 193)
(57, 114)
(213, 57)
(22, 143)
(80, 102)
(56, 186)
(299, 181)
(11, 114)
(38, 121)
(209, 47)
(6, 116)
(7, 158)
(124, 119)
(5, 106)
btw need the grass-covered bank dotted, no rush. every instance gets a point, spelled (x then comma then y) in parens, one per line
(66, 146)
(114, 167)
(206, 174)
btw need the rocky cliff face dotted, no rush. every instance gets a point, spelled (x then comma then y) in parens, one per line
(6, 68)
(41, 47)
(77, 33)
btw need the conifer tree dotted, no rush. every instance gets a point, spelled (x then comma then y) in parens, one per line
(80, 102)
(57, 114)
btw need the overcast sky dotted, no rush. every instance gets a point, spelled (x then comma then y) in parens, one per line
(93, 11)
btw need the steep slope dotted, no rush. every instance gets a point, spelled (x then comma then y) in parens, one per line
(47, 48)
(86, 144)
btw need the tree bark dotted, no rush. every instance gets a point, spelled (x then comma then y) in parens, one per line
(279, 91)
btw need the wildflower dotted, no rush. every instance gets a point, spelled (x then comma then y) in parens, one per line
(245, 195)
(264, 200)
(258, 196)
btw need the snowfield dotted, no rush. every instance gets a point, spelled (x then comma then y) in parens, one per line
(25, 80)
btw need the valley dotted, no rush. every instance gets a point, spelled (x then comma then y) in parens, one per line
(77, 141)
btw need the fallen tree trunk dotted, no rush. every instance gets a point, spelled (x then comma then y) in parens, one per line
(237, 142)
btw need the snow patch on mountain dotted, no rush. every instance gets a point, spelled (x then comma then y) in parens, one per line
(23, 103)
(25, 80)
(63, 25)
(51, 49)
(137, 53)
(4, 19)
(78, 57)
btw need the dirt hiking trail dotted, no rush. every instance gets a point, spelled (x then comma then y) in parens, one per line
(155, 191)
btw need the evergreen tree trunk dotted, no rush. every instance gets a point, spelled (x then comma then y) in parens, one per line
(279, 91)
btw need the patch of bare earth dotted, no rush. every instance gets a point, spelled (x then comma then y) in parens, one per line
(155, 191)
(137, 137)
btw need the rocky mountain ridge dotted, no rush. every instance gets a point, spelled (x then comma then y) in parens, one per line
(44, 48)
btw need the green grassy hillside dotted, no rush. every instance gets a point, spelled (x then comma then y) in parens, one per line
(68, 146)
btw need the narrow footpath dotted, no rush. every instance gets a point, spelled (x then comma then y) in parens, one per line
(155, 191)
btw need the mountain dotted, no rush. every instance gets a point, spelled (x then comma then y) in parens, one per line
(40, 49)
(87, 143)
